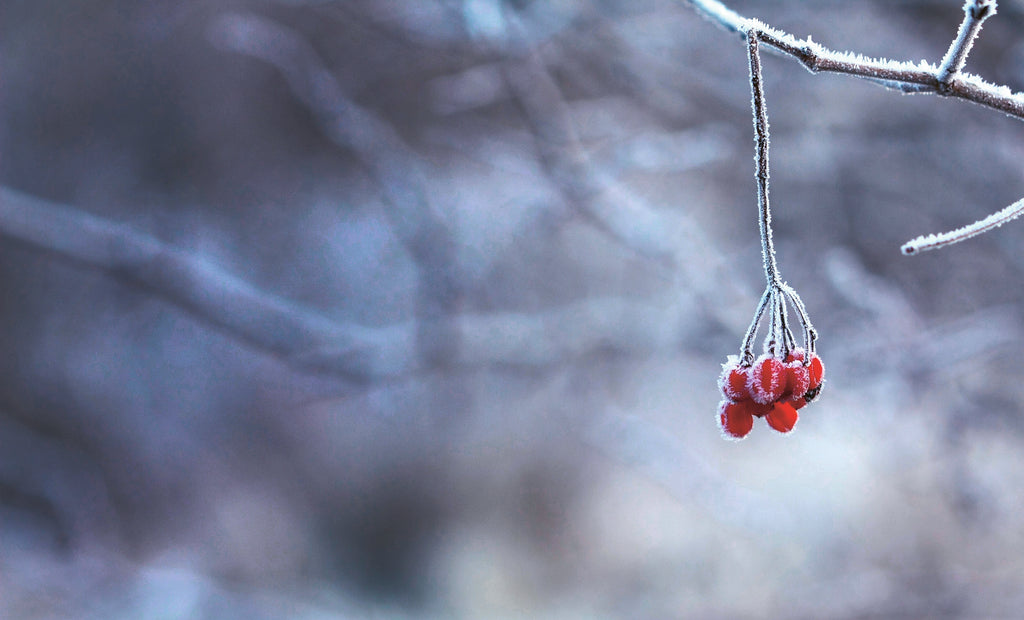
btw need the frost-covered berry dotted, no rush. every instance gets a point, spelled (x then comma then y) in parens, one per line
(798, 379)
(733, 380)
(816, 371)
(735, 419)
(767, 379)
(782, 417)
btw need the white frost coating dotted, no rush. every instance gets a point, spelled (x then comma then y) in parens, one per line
(933, 241)
(1000, 90)
(975, 13)
(904, 76)
(878, 65)
(719, 13)
(783, 37)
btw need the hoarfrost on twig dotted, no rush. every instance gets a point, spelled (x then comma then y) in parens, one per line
(946, 79)
(933, 241)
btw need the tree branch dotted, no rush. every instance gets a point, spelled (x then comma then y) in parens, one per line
(975, 13)
(946, 79)
(933, 242)
(309, 341)
(621, 214)
(394, 166)
(761, 143)
(227, 302)
(906, 77)
(610, 205)
(720, 14)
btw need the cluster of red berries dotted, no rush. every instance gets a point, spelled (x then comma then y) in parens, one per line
(771, 388)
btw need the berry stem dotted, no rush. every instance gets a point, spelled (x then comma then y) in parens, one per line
(810, 334)
(746, 351)
(778, 296)
(771, 268)
(975, 13)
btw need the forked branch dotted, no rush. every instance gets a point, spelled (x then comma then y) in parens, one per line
(946, 79)
(975, 13)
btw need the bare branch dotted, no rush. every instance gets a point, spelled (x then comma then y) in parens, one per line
(946, 79)
(610, 205)
(350, 126)
(309, 341)
(720, 14)
(779, 339)
(747, 345)
(390, 161)
(761, 140)
(619, 213)
(932, 242)
(216, 297)
(906, 77)
(975, 13)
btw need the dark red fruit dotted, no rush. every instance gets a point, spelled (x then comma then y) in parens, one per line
(767, 380)
(735, 419)
(782, 417)
(733, 381)
(816, 372)
(797, 380)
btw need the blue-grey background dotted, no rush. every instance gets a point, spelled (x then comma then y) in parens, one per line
(540, 216)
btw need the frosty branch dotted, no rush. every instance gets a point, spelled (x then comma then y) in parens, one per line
(946, 79)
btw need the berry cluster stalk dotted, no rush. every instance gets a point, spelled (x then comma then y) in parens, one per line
(778, 296)
(771, 268)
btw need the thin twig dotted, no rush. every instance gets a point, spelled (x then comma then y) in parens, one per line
(810, 334)
(720, 15)
(308, 341)
(946, 79)
(201, 288)
(388, 159)
(975, 13)
(761, 139)
(932, 242)
(620, 214)
(779, 340)
(903, 76)
(747, 346)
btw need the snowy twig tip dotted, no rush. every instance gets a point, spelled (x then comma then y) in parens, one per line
(932, 242)
(980, 9)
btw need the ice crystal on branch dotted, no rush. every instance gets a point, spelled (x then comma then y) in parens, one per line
(932, 242)
(945, 78)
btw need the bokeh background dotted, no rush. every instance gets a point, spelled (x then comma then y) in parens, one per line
(414, 309)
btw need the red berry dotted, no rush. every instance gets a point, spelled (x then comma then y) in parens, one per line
(734, 419)
(798, 403)
(767, 380)
(797, 380)
(816, 372)
(782, 417)
(733, 381)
